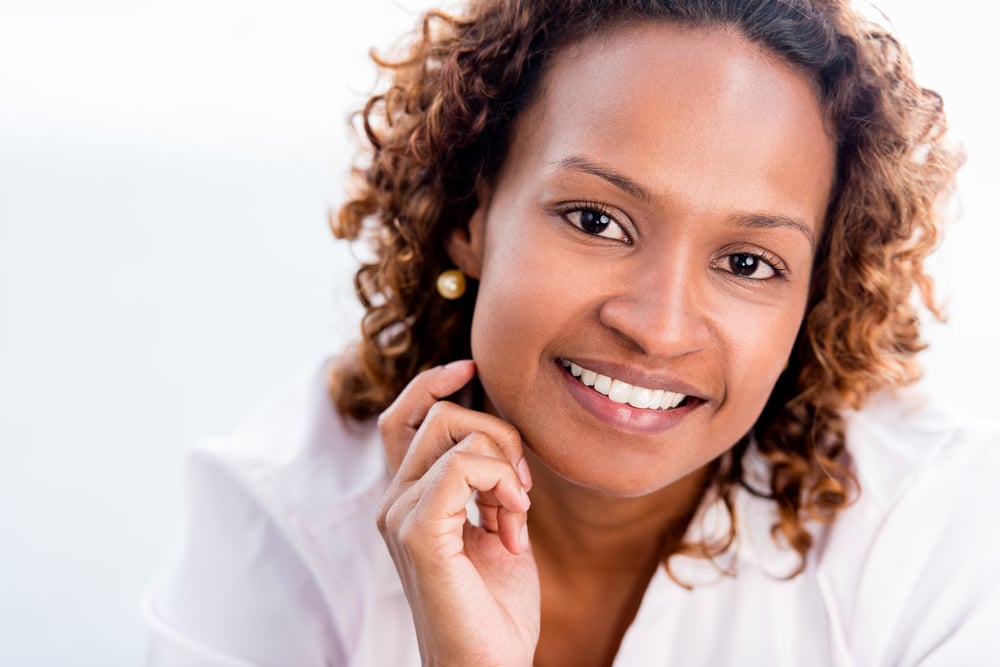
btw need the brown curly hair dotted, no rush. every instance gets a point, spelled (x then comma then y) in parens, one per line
(444, 123)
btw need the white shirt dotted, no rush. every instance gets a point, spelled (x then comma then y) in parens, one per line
(283, 565)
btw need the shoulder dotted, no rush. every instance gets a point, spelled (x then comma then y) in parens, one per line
(298, 461)
(911, 566)
(915, 457)
(896, 438)
(265, 573)
(297, 454)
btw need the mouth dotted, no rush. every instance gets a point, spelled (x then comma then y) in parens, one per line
(625, 393)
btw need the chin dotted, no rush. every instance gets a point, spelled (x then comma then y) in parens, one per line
(617, 479)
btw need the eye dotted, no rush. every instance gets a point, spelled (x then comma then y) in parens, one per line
(596, 222)
(752, 266)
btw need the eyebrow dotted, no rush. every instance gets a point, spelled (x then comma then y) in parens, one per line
(610, 175)
(752, 220)
(759, 221)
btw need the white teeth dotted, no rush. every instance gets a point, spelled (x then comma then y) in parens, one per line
(674, 399)
(620, 391)
(656, 400)
(639, 397)
(623, 392)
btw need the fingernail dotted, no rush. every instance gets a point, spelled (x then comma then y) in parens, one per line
(524, 472)
(524, 538)
(457, 362)
(524, 496)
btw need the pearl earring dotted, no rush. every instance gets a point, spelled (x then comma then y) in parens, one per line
(451, 284)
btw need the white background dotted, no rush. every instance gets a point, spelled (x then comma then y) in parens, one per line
(165, 173)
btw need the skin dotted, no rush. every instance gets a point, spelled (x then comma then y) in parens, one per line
(726, 156)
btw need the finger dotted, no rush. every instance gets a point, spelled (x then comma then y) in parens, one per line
(513, 530)
(400, 421)
(488, 505)
(448, 424)
(436, 438)
(402, 495)
(459, 474)
(495, 518)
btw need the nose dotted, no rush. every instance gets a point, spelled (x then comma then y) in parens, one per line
(662, 309)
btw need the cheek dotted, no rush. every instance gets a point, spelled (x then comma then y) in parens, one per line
(527, 301)
(759, 342)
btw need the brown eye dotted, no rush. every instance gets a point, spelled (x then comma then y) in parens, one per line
(597, 223)
(746, 265)
(594, 222)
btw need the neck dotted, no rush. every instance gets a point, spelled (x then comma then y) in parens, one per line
(580, 529)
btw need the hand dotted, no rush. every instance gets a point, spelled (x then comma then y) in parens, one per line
(473, 590)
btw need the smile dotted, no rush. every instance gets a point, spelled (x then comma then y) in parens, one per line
(623, 392)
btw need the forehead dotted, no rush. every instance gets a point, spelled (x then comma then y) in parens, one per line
(659, 100)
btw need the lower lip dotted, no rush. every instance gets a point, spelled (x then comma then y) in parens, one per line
(623, 416)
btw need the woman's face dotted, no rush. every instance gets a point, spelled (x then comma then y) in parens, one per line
(654, 227)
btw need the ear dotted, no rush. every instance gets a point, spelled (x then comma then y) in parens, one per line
(466, 243)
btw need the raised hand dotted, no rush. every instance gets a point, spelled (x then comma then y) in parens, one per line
(473, 589)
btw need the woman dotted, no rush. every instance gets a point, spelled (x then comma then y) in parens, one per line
(641, 289)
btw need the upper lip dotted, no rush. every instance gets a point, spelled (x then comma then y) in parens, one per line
(640, 377)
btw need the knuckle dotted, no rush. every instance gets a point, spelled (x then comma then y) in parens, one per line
(440, 410)
(409, 536)
(385, 420)
(509, 435)
(382, 514)
(394, 519)
(450, 461)
(392, 511)
(487, 444)
(452, 464)
(477, 441)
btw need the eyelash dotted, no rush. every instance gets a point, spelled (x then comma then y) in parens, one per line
(602, 209)
(772, 261)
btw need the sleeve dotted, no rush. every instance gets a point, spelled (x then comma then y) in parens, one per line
(240, 592)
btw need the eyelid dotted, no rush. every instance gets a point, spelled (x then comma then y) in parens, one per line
(781, 270)
(621, 219)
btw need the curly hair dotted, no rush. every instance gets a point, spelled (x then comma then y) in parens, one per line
(444, 124)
